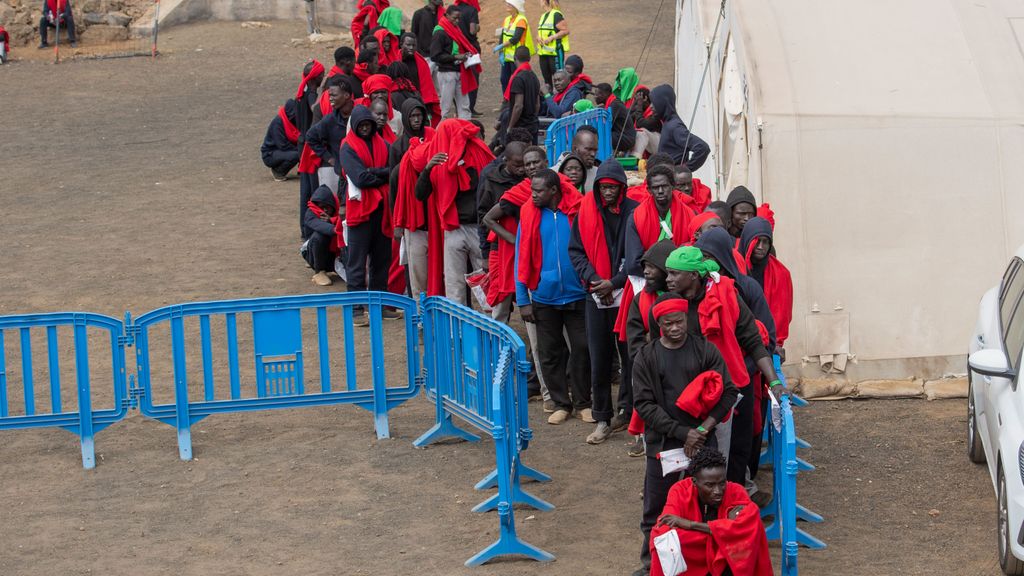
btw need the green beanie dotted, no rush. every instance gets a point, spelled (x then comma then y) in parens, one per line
(690, 259)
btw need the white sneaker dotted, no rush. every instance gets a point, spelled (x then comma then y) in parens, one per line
(600, 434)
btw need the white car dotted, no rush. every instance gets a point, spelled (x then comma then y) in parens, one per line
(995, 406)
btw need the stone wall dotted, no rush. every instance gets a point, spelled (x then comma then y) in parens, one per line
(96, 21)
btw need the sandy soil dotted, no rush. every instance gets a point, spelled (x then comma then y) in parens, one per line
(132, 184)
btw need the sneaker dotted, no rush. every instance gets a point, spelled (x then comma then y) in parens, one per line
(600, 434)
(558, 417)
(43, 46)
(549, 407)
(391, 313)
(586, 415)
(638, 448)
(322, 279)
(533, 394)
(620, 421)
(279, 176)
(476, 114)
(360, 319)
(74, 44)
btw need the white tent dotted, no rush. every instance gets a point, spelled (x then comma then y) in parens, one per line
(888, 136)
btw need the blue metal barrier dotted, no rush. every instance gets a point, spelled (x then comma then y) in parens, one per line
(559, 135)
(85, 421)
(477, 370)
(281, 375)
(783, 507)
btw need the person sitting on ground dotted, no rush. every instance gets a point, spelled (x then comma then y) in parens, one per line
(663, 369)
(626, 82)
(696, 195)
(56, 14)
(676, 140)
(718, 526)
(560, 103)
(521, 103)
(742, 207)
(623, 131)
(324, 244)
(584, 145)
(280, 149)
(756, 246)
(574, 68)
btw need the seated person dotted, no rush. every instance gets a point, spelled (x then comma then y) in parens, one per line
(719, 528)
(560, 103)
(648, 126)
(55, 11)
(623, 131)
(280, 149)
(325, 239)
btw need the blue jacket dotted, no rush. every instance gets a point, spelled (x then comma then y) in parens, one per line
(553, 109)
(559, 283)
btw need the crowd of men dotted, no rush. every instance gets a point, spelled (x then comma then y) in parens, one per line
(681, 299)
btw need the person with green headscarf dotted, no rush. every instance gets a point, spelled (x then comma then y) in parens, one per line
(391, 20)
(625, 83)
(582, 105)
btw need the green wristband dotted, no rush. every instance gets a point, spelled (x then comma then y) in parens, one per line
(702, 430)
(774, 383)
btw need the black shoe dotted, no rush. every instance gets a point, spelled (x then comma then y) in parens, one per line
(74, 44)
(279, 176)
(391, 313)
(620, 421)
(43, 46)
(475, 114)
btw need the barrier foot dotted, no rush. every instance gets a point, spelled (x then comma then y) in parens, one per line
(441, 430)
(808, 540)
(772, 530)
(803, 465)
(808, 516)
(532, 473)
(380, 425)
(765, 459)
(510, 545)
(185, 444)
(519, 496)
(801, 443)
(88, 453)
(488, 482)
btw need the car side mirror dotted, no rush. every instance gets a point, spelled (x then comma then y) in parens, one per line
(990, 362)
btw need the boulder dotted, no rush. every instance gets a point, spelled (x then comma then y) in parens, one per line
(946, 388)
(118, 19)
(7, 13)
(92, 18)
(103, 34)
(92, 6)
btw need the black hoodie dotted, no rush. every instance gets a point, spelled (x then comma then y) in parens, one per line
(739, 195)
(490, 190)
(614, 231)
(719, 245)
(676, 139)
(361, 175)
(275, 139)
(324, 198)
(756, 227)
(636, 333)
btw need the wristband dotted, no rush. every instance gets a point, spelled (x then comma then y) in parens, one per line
(774, 383)
(702, 430)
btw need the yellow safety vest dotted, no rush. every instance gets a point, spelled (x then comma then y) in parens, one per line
(547, 29)
(509, 30)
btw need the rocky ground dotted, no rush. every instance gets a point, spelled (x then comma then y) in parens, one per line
(96, 21)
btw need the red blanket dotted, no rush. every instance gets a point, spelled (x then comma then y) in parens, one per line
(428, 92)
(648, 221)
(468, 79)
(291, 132)
(581, 78)
(778, 291)
(739, 544)
(373, 156)
(502, 261)
(387, 57)
(531, 254)
(701, 395)
(315, 71)
(591, 226)
(366, 18)
(458, 139)
(718, 312)
(339, 239)
(699, 197)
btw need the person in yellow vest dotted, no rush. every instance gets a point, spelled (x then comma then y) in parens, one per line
(552, 39)
(515, 32)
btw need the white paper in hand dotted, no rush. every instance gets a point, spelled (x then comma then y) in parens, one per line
(670, 553)
(354, 192)
(473, 60)
(673, 461)
(616, 300)
(776, 412)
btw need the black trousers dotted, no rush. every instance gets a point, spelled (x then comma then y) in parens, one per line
(604, 344)
(281, 161)
(554, 323)
(656, 489)
(319, 255)
(68, 24)
(551, 64)
(742, 438)
(368, 249)
(756, 441)
(307, 184)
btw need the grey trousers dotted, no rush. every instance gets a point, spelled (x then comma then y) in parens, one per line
(502, 311)
(461, 256)
(449, 88)
(416, 260)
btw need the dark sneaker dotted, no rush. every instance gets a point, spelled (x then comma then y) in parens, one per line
(620, 421)
(391, 314)
(360, 319)
(638, 448)
(43, 46)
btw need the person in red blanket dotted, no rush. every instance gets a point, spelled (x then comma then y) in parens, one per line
(306, 98)
(697, 195)
(5, 45)
(446, 174)
(389, 51)
(648, 126)
(365, 201)
(701, 223)
(449, 51)
(598, 250)
(422, 77)
(280, 149)
(56, 12)
(663, 214)
(675, 360)
(378, 88)
(718, 527)
(366, 18)
(742, 207)
(325, 241)
(756, 245)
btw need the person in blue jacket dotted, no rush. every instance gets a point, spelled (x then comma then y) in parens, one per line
(560, 102)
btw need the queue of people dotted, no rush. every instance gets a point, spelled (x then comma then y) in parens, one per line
(679, 299)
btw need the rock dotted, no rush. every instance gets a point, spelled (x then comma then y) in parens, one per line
(94, 18)
(825, 387)
(92, 6)
(6, 12)
(118, 19)
(890, 388)
(934, 513)
(102, 34)
(255, 25)
(946, 388)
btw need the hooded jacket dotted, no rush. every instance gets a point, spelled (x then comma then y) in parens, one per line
(322, 197)
(771, 274)
(676, 139)
(492, 187)
(325, 137)
(634, 322)
(596, 224)
(718, 243)
(276, 139)
(739, 195)
(372, 178)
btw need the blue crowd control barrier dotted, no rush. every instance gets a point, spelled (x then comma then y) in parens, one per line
(79, 417)
(477, 370)
(277, 349)
(558, 139)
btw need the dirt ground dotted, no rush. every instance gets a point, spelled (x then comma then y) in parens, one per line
(132, 184)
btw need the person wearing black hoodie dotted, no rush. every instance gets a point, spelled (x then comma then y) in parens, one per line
(280, 149)
(320, 248)
(676, 139)
(493, 186)
(597, 250)
(742, 207)
(368, 244)
(718, 245)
